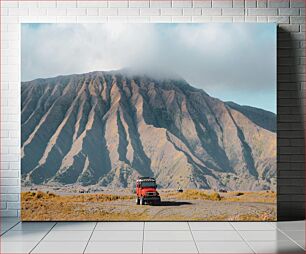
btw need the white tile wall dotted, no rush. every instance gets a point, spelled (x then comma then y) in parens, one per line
(288, 12)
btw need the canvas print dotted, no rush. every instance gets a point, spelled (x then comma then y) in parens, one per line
(148, 122)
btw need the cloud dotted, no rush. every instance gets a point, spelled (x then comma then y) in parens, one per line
(228, 61)
(50, 50)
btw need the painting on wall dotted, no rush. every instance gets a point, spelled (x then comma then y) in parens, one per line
(148, 122)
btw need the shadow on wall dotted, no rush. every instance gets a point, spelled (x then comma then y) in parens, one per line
(290, 129)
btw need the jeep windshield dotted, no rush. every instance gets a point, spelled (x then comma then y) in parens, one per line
(148, 184)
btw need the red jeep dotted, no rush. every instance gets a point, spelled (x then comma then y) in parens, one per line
(146, 191)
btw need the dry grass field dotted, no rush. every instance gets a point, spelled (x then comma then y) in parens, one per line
(178, 206)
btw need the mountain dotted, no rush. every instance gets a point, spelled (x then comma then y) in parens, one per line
(107, 128)
(263, 118)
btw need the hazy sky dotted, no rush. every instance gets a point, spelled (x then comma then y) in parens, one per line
(233, 62)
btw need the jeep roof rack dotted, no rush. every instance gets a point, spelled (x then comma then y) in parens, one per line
(145, 178)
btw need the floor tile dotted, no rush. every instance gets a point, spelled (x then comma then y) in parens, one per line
(297, 235)
(99, 236)
(22, 236)
(119, 226)
(301, 243)
(33, 226)
(167, 235)
(17, 247)
(273, 235)
(276, 247)
(211, 226)
(8, 224)
(69, 236)
(166, 226)
(60, 247)
(252, 225)
(114, 247)
(223, 247)
(291, 225)
(216, 236)
(160, 237)
(63, 226)
(169, 247)
(5, 226)
(273, 223)
(3, 230)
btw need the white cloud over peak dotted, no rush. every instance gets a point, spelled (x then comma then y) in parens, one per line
(229, 61)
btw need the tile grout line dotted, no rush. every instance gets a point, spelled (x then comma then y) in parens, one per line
(10, 228)
(193, 237)
(273, 225)
(290, 238)
(143, 231)
(244, 240)
(42, 238)
(90, 237)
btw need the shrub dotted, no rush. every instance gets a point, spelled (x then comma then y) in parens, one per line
(39, 195)
(198, 194)
(52, 195)
(238, 194)
(215, 196)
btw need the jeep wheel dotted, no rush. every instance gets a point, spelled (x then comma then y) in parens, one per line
(142, 201)
(137, 201)
(157, 202)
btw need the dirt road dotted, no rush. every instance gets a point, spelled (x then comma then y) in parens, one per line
(198, 210)
(190, 210)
